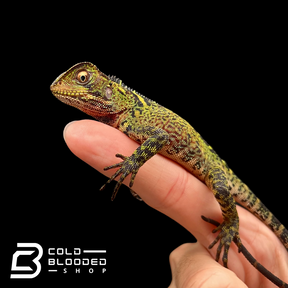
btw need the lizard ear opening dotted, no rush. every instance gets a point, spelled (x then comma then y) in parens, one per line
(108, 93)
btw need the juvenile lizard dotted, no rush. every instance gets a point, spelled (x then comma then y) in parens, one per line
(159, 130)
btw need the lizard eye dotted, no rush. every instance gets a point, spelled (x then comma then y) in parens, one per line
(83, 76)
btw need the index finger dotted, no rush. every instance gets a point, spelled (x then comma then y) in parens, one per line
(160, 182)
(167, 187)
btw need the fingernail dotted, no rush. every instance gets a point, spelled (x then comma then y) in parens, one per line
(65, 129)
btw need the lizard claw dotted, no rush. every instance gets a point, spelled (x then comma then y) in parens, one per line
(228, 233)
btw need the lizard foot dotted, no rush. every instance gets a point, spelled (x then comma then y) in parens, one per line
(228, 233)
(128, 166)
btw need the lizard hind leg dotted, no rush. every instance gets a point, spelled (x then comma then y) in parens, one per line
(229, 229)
(223, 241)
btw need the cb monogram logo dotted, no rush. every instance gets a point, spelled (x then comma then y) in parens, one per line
(26, 268)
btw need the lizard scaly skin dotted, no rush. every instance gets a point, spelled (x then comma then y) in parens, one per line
(159, 130)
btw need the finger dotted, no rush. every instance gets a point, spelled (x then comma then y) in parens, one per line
(161, 183)
(165, 186)
(192, 266)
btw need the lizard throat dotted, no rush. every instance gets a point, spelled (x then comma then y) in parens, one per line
(89, 104)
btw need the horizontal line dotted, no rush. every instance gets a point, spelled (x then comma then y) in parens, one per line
(94, 251)
(52, 270)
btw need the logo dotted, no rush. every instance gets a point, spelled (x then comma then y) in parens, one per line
(26, 268)
(56, 260)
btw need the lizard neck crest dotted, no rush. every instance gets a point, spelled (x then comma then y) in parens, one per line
(119, 81)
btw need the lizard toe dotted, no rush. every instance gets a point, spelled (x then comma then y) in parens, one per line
(228, 231)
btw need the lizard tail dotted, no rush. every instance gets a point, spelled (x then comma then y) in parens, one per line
(256, 207)
(278, 282)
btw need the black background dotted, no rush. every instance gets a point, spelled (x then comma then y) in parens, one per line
(225, 79)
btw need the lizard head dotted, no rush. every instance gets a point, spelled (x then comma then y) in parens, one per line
(83, 86)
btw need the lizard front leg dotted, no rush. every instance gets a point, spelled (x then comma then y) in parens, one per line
(229, 229)
(157, 139)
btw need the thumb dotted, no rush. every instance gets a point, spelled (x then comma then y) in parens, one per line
(192, 266)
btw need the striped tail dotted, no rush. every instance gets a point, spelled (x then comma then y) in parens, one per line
(245, 197)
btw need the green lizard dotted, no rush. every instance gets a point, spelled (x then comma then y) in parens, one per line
(159, 130)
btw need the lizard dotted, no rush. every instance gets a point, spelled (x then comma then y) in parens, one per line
(159, 130)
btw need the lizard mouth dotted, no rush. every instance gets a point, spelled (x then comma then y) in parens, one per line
(67, 93)
(83, 101)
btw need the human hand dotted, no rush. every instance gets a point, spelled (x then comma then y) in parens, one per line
(170, 189)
